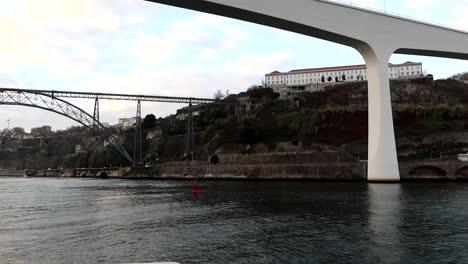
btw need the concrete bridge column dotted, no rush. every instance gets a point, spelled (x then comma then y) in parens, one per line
(382, 155)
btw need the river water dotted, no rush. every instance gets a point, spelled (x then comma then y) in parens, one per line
(117, 221)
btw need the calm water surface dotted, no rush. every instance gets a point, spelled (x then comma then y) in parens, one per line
(118, 221)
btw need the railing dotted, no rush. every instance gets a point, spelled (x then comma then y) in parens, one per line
(393, 14)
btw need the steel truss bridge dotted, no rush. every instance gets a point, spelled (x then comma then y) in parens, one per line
(50, 100)
(126, 97)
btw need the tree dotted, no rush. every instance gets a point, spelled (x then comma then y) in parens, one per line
(252, 87)
(336, 79)
(343, 77)
(323, 78)
(6, 132)
(18, 130)
(218, 95)
(329, 79)
(460, 76)
(42, 131)
(249, 130)
(149, 122)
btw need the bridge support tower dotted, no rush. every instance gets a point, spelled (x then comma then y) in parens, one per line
(190, 142)
(96, 112)
(137, 147)
(382, 154)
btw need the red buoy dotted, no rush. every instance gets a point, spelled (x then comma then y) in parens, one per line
(195, 187)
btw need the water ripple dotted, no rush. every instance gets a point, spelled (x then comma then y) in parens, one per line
(117, 221)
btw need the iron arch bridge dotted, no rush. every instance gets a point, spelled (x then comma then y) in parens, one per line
(49, 102)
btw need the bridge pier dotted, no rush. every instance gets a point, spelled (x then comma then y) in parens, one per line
(382, 154)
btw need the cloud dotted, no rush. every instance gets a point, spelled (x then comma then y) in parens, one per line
(62, 37)
(185, 80)
(8, 83)
(180, 37)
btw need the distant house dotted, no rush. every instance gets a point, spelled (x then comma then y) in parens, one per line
(154, 134)
(181, 116)
(127, 122)
(463, 157)
(78, 149)
(252, 99)
(182, 113)
(105, 124)
(22, 136)
(245, 104)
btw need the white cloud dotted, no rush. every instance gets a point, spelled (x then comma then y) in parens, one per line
(204, 34)
(60, 36)
(8, 83)
(182, 80)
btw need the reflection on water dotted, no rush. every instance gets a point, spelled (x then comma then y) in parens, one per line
(384, 220)
(117, 221)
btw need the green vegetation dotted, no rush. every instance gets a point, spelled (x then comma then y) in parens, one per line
(249, 130)
(461, 76)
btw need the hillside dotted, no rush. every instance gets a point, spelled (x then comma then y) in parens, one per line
(429, 116)
(337, 118)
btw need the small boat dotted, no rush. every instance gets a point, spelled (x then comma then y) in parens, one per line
(463, 157)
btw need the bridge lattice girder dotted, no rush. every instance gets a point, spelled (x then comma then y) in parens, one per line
(62, 107)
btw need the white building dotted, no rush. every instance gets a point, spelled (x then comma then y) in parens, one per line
(79, 149)
(127, 122)
(316, 79)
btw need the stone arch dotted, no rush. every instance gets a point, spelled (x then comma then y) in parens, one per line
(462, 172)
(214, 159)
(103, 174)
(427, 172)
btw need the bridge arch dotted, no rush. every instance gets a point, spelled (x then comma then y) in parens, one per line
(427, 171)
(53, 104)
(462, 172)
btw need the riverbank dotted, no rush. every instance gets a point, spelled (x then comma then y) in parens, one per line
(11, 173)
(452, 170)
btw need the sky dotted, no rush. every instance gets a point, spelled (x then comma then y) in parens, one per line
(138, 47)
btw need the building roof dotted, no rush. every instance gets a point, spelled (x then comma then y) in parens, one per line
(275, 73)
(337, 68)
(410, 63)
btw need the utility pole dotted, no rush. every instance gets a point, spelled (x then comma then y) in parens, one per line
(137, 148)
(8, 121)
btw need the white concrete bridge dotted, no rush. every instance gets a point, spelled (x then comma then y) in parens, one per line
(374, 34)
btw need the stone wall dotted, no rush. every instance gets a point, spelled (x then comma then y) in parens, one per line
(283, 158)
(330, 171)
